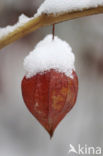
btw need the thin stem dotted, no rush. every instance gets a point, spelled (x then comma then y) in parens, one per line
(53, 31)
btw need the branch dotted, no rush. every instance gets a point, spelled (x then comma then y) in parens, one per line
(45, 20)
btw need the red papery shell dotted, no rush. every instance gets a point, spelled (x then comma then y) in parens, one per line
(49, 96)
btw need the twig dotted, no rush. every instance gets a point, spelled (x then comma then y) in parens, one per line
(45, 20)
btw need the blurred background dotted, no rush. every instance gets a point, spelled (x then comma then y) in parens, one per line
(20, 133)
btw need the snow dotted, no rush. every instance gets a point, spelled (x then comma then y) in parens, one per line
(50, 54)
(61, 6)
(21, 21)
(55, 7)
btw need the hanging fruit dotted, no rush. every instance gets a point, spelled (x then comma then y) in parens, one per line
(50, 85)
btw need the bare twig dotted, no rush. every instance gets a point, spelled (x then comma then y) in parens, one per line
(45, 20)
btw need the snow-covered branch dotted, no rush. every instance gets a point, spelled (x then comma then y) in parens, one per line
(27, 25)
